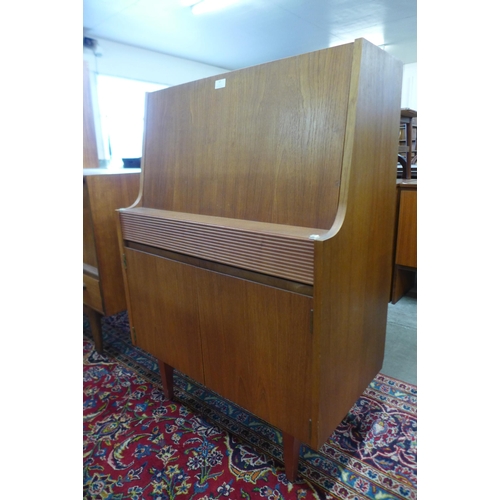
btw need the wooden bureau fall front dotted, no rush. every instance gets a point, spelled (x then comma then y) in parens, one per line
(257, 259)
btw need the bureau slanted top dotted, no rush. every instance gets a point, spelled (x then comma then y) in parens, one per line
(263, 143)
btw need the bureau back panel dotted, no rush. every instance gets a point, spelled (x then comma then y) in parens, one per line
(263, 143)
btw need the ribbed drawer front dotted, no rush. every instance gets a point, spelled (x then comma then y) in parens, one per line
(277, 255)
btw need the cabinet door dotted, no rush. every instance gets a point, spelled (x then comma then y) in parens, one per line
(257, 348)
(249, 342)
(164, 310)
(406, 253)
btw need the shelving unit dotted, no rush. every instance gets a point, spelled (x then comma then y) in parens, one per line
(408, 144)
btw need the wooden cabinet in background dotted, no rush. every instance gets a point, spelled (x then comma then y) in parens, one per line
(104, 191)
(405, 261)
(408, 143)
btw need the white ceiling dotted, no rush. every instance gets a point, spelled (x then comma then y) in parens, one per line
(251, 32)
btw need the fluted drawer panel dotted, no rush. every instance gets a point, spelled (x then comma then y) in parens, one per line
(288, 257)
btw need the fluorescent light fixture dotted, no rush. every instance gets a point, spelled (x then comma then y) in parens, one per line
(211, 5)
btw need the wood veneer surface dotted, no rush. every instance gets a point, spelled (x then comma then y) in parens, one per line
(106, 193)
(307, 142)
(89, 247)
(237, 272)
(406, 248)
(251, 335)
(92, 293)
(267, 147)
(274, 249)
(352, 278)
(164, 310)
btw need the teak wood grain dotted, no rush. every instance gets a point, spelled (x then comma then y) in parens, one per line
(265, 279)
(165, 315)
(271, 326)
(406, 248)
(92, 293)
(274, 249)
(285, 147)
(252, 335)
(352, 266)
(405, 259)
(89, 246)
(103, 192)
(266, 147)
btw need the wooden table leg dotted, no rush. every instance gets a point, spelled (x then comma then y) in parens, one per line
(95, 327)
(167, 379)
(291, 450)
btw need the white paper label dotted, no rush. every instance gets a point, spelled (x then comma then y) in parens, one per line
(220, 84)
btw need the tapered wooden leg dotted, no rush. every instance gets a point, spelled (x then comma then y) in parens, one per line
(291, 450)
(95, 326)
(167, 379)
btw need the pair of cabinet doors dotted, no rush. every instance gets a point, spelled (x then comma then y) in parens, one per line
(249, 342)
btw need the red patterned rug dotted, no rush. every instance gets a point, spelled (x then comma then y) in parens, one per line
(137, 445)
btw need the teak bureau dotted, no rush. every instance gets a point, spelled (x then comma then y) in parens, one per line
(257, 259)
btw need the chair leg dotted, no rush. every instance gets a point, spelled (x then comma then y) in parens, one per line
(291, 451)
(167, 379)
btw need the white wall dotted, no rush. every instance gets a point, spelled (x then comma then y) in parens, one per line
(409, 91)
(126, 61)
(139, 64)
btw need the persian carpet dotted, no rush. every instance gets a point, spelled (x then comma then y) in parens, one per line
(138, 445)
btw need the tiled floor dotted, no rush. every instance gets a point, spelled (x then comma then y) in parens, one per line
(400, 359)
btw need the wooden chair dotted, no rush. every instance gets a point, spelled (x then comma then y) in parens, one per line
(257, 259)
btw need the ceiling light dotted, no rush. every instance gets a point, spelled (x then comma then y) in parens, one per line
(210, 5)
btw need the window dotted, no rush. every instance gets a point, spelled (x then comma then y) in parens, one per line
(121, 108)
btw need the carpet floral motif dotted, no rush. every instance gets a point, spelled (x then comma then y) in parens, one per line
(138, 445)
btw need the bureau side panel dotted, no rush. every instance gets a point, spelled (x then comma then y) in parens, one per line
(163, 305)
(353, 266)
